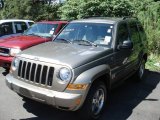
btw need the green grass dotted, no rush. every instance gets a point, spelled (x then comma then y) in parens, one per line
(153, 59)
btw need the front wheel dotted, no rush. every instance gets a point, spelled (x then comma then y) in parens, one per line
(95, 101)
(140, 72)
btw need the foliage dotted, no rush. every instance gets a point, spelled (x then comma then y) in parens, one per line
(152, 61)
(76, 9)
(148, 13)
(27, 9)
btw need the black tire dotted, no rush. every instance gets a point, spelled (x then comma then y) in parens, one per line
(139, 75)
(95, 98)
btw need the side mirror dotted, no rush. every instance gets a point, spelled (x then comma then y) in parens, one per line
(126, 45)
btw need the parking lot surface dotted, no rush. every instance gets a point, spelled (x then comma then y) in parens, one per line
(131, 101)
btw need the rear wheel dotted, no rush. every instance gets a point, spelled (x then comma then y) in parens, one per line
(95, 101)
(140, 72)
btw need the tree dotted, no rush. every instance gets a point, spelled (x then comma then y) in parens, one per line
(75, 9)
(29, 9)
(148, 13)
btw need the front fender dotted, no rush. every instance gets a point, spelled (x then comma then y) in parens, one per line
(88, 76)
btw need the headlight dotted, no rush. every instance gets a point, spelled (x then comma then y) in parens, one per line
(65, 74)
(14, 51)
(15, 63)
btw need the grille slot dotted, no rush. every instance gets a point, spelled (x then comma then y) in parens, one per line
(19, 69)
(28, 70)
(44, 74)
(50, 76)
(32, 71)
(23, 69)
(36, 73)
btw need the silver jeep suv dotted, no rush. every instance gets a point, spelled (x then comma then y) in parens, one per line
(78, 68)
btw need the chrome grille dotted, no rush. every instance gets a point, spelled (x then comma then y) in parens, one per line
(4, 51)
(36, 73)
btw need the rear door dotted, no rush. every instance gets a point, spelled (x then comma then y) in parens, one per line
(20, 27)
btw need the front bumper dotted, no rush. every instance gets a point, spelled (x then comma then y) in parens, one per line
(61, 100)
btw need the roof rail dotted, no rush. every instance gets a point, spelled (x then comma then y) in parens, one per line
(125, 17)
(94, 16)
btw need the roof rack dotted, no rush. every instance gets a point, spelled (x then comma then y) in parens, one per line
(94, 16)
(125, 17)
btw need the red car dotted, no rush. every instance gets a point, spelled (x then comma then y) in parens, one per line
(38, 33)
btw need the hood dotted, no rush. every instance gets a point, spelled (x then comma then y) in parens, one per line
(71, 55)
(21, 41)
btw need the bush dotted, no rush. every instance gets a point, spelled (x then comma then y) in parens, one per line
(148, 13)
(76, 9)
(27, 9)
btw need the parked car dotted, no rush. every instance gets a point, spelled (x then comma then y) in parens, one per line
(38, 33)
(85, 61)
(13, 27)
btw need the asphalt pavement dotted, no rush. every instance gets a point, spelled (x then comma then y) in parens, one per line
(130, 101)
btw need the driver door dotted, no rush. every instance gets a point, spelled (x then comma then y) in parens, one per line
(122, 56)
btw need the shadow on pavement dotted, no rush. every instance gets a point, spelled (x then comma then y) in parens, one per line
(45, 112)
(121, 104)
(126, 97)
(5, 72)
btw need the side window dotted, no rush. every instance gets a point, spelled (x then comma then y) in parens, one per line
(30, 23)
(134, 32)
(20, 26)
(6, 29)
(122, 33)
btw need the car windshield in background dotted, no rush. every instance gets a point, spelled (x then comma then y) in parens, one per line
(87, 34)
(41, 29)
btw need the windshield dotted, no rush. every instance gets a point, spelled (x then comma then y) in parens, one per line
(41, 29)
(95, 33)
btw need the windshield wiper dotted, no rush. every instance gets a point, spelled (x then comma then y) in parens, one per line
(34, 34)
(62, 40)
(84, 42)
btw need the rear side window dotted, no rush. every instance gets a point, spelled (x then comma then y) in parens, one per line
(122, 33)
(134, 32)
(6, 28)
(20, 26)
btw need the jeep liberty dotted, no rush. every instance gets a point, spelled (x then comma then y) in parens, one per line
(78, 68)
